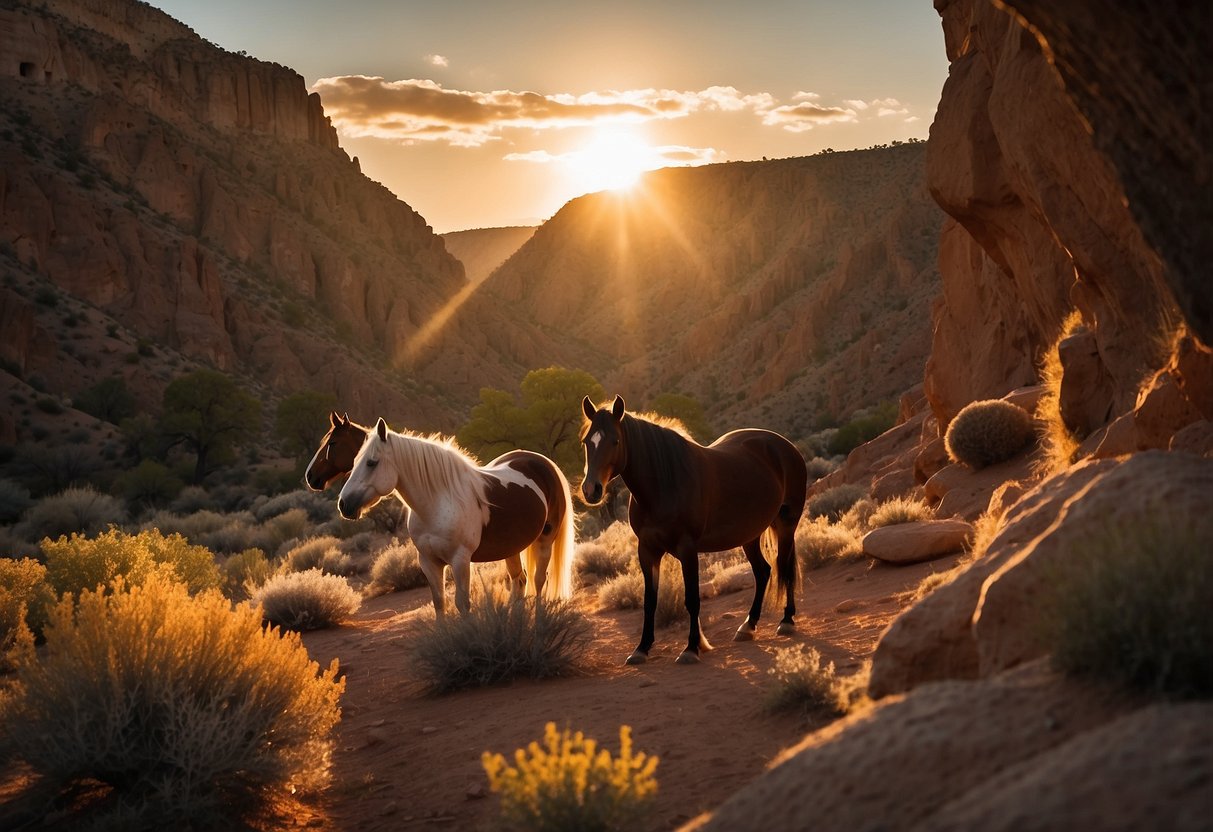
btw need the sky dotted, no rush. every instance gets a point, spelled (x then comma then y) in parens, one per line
(488, 114)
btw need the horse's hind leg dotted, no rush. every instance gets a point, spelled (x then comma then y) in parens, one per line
(762, 576)
(541, 557)
(513, 568)
(785, 562)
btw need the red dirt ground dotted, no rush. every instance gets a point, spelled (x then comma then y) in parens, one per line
(406, 760)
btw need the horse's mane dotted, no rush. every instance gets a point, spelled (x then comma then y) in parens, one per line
(663, 441)
(437, 464)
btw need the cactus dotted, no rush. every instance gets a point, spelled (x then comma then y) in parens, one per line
(988, 432)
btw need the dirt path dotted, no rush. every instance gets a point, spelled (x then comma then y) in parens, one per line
(405, 760)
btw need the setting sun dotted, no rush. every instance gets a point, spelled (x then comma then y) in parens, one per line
(613, 160)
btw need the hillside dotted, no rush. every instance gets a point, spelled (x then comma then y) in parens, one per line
(481, 250)
(782, 292)
(198, 201)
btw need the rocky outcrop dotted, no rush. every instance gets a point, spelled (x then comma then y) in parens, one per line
(916, 542)
(1041, 226)
(481, 250)
(728, 283)
(972, 755)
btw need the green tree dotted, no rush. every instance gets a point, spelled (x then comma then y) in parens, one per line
(548, 420)
(301, 420)
(208, 413)
(108, 399)
(686, 410)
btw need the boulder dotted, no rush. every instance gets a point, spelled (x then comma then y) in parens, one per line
(917, 542)
(1137, 491)
(959, 491)
(934, 638)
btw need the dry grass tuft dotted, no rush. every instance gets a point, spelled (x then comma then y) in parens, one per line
(900, 510)
(626, 592)
(500, 638)
(820, 542)
(834, 502)
(802, 681)
(1058, 443)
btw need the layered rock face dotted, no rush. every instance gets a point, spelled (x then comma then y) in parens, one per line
(1040, 227)
(200, 199)
(772, 291)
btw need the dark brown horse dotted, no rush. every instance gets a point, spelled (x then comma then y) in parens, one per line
(688, 499)
(335, 456)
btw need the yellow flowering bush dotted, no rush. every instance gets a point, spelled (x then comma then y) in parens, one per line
(78, 563)
(569, 783)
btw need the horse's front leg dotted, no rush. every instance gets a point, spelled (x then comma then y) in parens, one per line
(688, 556)
(433, 568)
(650, 563)
(461, 570)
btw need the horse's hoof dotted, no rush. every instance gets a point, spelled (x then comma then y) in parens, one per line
(786, 628)
(687, 657)
(744, 633)
(637, 658)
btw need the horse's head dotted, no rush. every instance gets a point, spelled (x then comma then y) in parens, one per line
(373, 476)
(336, 453)
(606, 453)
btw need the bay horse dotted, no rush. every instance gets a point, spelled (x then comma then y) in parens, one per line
(687, 499)
(461, 513)
(335, 456)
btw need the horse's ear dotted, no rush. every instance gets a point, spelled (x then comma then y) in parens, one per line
(334, 419)
(617, 407)
(587, 407)
(381, 429)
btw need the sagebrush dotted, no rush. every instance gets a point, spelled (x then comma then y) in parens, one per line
(833, 502)
(187, 707)
(309, 600)
(626, 592)
(569, 783)
(801, 680)
(899, 510)
(397, 568)
(501, 637)
(78, 563)
(819, 543)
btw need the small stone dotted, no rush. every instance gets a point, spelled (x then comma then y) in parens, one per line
(476, 792)
(429, 729)
(389, 808)
(849, 605)
(378, 722)
(374, 736)
(647, 683)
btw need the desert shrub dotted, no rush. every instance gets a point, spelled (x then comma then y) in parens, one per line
(79, 563)
(191, 499)
(244, 573)
(276, 531)
(184, 706)
(801, 680)
(14, 500)
(319, 507)
(150, 483)
(626, 592)
(1130, 604)
(820, 543)
(75, 509)
(24, 582)
(858, 516)
(234, 535)
(307, 600)
(988, 432)
(595, 562)
(397, 568)
(833, 502)
(500, 638)
(570, 783)
(864, 427)
(310, 553)
(337, 562)
(194, 527)
(899, 510)
(820, 466)
(16, 638)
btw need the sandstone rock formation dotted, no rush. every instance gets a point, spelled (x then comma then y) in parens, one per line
(481, 250)
(916, 542)
(728, 283)
(199, 199)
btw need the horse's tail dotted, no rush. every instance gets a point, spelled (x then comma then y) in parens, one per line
(785, 559)
(560, 565)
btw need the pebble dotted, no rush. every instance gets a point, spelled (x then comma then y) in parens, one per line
(476, 792)
(429, 729)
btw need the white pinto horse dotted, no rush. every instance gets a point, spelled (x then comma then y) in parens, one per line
(460, 513)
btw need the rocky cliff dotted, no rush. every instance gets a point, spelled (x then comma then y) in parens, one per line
(777, 292)
(481, 250)
(200, 199)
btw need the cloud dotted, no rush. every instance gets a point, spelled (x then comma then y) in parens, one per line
(416, 110)
(661, 156)
(797, 118)
(437, 60)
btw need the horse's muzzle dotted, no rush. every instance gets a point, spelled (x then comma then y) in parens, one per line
(591, 492)
(348, 508)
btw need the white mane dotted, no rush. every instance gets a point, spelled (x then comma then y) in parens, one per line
(434, 465)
